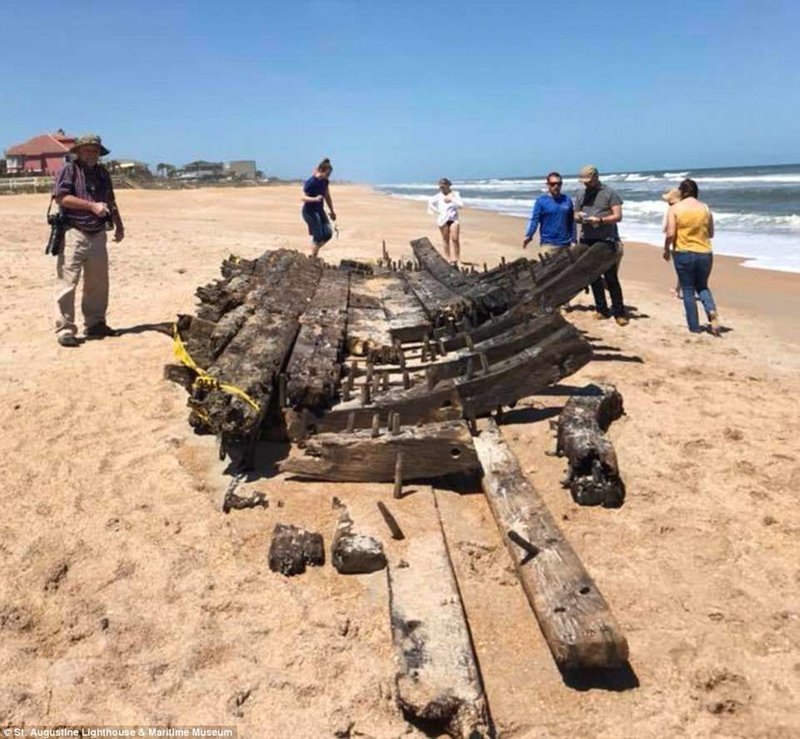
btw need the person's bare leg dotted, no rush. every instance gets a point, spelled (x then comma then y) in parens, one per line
(455, 232)
(446, 240)
(315, 249)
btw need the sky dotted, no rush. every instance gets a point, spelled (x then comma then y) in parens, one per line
(410, 90)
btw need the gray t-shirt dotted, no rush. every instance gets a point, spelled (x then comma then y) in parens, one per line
(598, 203)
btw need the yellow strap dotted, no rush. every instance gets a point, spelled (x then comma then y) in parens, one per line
(203, 379)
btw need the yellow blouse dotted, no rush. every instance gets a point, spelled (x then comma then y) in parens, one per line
(692, 230)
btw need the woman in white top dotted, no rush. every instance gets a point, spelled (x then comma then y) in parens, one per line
(671, 197)
(444, 205)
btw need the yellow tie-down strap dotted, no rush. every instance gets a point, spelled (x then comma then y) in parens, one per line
(203, 379)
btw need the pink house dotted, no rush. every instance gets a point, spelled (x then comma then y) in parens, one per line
(41, 155)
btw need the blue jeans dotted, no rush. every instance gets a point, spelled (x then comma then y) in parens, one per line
(318, 225)
(693, 270)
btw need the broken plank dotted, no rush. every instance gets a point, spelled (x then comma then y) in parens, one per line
(314, 367)
(430, 451)
(575, 619)
(437, 677)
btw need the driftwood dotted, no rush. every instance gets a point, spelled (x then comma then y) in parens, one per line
(575, 619)
(292, 549)
(437, 676)
(408, 320)
(593, 473)
(431, 451)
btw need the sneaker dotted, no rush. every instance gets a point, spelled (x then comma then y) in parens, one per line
(622, 321)
(598, 316)
(99, 331)
(68, 340)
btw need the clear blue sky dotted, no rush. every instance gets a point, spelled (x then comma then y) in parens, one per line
(408, 90)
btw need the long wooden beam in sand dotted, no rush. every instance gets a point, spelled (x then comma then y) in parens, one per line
(576, 621)
(437, 675)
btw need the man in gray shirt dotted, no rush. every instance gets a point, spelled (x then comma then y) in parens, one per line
(598, 209)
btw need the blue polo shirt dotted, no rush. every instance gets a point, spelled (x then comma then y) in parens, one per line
(555, 217)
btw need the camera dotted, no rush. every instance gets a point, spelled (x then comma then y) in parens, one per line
(58, 227)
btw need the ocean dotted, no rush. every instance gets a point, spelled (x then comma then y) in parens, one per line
(756, 209)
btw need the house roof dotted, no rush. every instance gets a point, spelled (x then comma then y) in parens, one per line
(45, 144)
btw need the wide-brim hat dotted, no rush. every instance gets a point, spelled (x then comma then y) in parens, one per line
(671, 196)
(90, 139)
(587, 173)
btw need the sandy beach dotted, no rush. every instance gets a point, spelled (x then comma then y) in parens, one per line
(128, 598)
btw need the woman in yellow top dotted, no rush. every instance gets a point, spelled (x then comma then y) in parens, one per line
(690, 228)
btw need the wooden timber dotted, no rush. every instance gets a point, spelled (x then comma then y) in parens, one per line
(487, 298)
(559, 354)
(407, 318)
(314, 369)
(256, 355)
(433, 450)
(440, 302)
(593, 472)
(292, 549)
(368, 335)
(575, 619)
(437, 679)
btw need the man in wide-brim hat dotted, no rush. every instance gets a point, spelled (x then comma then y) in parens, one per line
(85, 194)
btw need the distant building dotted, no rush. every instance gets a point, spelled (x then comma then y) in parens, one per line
(242, 168)
(201, 170)
(43, 154)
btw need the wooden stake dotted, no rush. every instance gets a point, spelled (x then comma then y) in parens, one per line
(398, 476)
(376, 425)
(391, 522)
(365, 394)
(351, 422)
(395, 423)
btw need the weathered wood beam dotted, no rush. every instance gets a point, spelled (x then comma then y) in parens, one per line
(256, 355)
(440, 302)
(593, 472)
(314, 369)
(437, 677)
(575, 619)
(430, 451)
(488, 299)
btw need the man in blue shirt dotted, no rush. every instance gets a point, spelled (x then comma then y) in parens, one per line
(553, 214)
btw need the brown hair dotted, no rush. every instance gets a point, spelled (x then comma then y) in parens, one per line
(554, 174)
(325, 165)
(688, 189)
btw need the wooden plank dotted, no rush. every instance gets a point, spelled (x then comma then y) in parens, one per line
(593, 472)
(407, 318)
(368, 335)
(437, 678)
(440, 302)
(257, 354)
(487, 298)
(575, 619)
(314, 368)
(428, 452)
(558, 355)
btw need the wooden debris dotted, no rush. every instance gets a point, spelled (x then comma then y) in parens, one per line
(437, 676)
(352, 553)
(315, 366)
(391, 522)
(293, 549)
(593, 472)
(256, 355)
(431, 451)
(575, 619)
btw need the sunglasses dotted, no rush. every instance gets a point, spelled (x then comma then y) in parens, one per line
(554, 184)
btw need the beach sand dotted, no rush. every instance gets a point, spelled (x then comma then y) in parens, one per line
(128, 598)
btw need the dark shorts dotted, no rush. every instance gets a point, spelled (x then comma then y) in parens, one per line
(318, 225)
